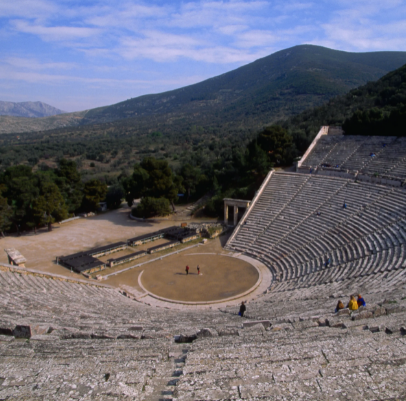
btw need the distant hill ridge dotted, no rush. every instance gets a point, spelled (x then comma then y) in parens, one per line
(28, 109)
(255, 95)
(282, 84)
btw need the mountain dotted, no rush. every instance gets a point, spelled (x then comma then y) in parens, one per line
(28, 109)
(279, 85)
(257, 94)
(377, 108)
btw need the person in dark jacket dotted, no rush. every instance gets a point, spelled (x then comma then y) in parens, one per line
(242, 309)
(187, 269)
(360, 301)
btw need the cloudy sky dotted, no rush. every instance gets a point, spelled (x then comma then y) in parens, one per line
(76, 54)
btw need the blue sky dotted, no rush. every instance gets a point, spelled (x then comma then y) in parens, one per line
(77, 55)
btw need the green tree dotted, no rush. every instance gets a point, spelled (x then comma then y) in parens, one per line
(277, 143)
(191, 176)
(22, 187)
(70, 184)
(150, 207)
(153, 178)
(49, 206)
(94, 192)
(115, 194)
(135, 185)
(6, 212)
(258, 160)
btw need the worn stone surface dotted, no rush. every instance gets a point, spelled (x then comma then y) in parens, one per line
(95, 344)
(362, 315)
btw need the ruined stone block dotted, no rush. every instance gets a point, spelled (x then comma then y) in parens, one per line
(391, 329)
(374, 329)
(228, 331)
(362, 315)
(265, 323)
(135, 328)
(337, 324)
(182, 338)
(22, 331)
(379, 311)
(206, 333)
(6, 329)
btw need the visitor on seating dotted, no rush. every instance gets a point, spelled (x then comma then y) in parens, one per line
(242, 309)
(339, 306)
(352, 305)
(360, 301)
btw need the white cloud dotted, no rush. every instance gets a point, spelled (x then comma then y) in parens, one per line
(215, 13)
(34, 64)
(232, 29)
(373, 25)
(55, 33)
(288, 7)
(27, 8)
(157, 46)
(256, 38)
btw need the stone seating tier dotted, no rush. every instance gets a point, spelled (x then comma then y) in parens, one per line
(296, 350)
(312, 226)
(371, 155)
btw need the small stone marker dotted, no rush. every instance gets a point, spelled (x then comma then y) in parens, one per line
(15, 258)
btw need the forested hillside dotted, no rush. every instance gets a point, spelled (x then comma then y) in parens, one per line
(194, 163)
(377, 108)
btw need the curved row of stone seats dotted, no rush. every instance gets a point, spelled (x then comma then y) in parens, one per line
(390, 161)
(277, 193)
(306, 352)
(365, 272)
(54, 369)
(369, 149)
(335, 358)
(371, 155)
(316, 305)
(313, 226)
(69, 310)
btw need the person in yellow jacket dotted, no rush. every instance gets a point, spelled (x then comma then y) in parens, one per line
(352, 305)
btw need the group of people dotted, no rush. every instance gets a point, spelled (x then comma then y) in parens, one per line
(188, 268)
(353, 305)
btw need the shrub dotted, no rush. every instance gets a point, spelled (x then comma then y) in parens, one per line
(150, 207)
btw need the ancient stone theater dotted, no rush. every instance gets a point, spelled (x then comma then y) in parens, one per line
(332, 229)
